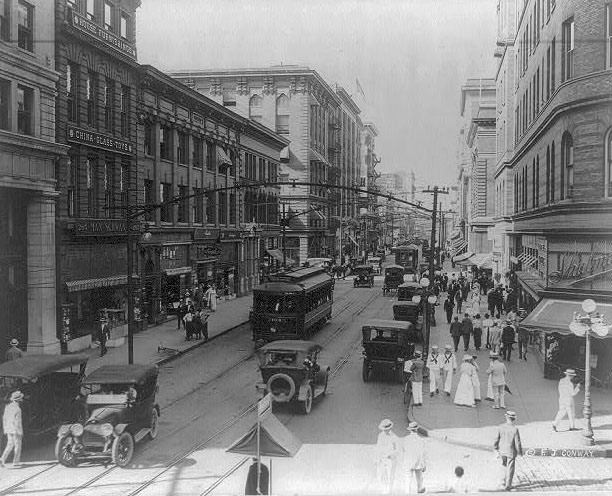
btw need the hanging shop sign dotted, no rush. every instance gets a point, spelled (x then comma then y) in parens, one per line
(101, 227)
(97, 140)
(578, 259)
(206, 251)
(84, 25)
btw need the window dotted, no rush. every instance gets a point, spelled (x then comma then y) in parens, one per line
(90, 9)
(229, 97)
(552, 66)
(149, 197)
(90, 96)
(5, 98)
(109, 104)
(125, 110)
(232, 209)
(165, 143)
(232, 168)
(148, 139)
(552, 172)
(198, 205)
(210, 156)
(181, 149)
(25, 34)
(536, 182)
(255, 108)
(548, 174)
(108, 16)
(5, 20)
(567, 62)
(90, 184)
(608, 22)
(183, 206)
(547, 73)
(608, 166)
(25, 106)
(125, 25)
(210, 208)
(222, 208)
(71, 181)
(262, 170)
(165, 194)
(282, 115)
(198, 152)
(108, 188)
(124, 182)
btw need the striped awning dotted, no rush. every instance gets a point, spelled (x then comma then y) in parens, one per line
(463, 257)
(98, 282)
(527, 260)
(458, 246)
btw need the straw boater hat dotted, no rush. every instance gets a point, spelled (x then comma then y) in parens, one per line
(434, 347)
(467, 358)
(14, 342)
(511, 414)
(417, 354)
(17, 396)
(571, 372)
(493, 354)
(413, 427)
(448, 347)
(385, 425)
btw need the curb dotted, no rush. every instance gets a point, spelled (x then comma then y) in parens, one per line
(165, 360)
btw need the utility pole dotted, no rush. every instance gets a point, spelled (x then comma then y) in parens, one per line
(284, 238)
(432, 253)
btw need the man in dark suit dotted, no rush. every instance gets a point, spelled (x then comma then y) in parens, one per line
(508, 446)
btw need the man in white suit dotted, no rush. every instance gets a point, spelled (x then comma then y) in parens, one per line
(567, 391)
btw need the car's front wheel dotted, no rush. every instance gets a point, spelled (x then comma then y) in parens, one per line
(123, 449)
(63, 452)
(154, 428)
(365, 370)
(307, 403)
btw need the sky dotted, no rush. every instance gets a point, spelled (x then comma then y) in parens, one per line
(411, 58)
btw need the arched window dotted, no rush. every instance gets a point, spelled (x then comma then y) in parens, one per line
(255, 108)
(552, 172)
(567, 166)
(537, 182)
(608, 165)
(548, 174)
(282, 114)
(533, 184)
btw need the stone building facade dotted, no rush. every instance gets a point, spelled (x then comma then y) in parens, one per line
(298, 104)
(28, 173)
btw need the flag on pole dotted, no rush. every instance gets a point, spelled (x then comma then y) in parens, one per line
(359, 88)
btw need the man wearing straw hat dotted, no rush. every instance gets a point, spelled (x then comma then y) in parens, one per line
(387, 447)
(567, 391)
(415, 458)
(508, 446)
(497, 372)
(13, 353)
(13, 428)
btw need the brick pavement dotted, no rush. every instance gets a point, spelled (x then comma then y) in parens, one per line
(229, 314)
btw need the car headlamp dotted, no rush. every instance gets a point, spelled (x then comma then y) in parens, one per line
(76, 430)
(106, 429)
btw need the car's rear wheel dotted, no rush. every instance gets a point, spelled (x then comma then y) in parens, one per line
(154, 424)
(307, 403)
(365, 370)
(63, 452)
(123, 449)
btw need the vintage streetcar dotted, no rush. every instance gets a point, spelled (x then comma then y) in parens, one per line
(387, 344)
(122, 410)
(409, 257)
(50, 385)
(290, 372)
(291, 305)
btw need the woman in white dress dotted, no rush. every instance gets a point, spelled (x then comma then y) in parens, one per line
(465, 389)
(211, 297)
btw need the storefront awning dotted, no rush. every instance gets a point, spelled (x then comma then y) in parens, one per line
(277, 254)
(555, 315)
(98, 282)
(458, 246)
(222, 157)
(177, 271)
(483, 260)
(527, 260)
(463, 257)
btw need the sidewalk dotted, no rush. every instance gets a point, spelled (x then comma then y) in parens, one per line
(229, 314)
(533, 398)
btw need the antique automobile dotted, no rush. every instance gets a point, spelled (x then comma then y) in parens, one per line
(409, 311)
(290, 372)
(364, 276)
(376, 264)
(381, 254)
(122, 410)
(50, 385)
(387, 344)
(407, 290)
(394, 276)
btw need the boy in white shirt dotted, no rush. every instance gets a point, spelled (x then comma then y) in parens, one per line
(458, 483)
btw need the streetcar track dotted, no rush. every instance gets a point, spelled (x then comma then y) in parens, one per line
(177, 459)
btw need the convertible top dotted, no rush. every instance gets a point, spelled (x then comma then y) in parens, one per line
(410, 284)
(394, 267)
(388, 324)
(121, 374)
(32, 366)
(291, 345)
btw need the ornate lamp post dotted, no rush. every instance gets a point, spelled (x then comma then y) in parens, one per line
(427, 299)
(583, 325)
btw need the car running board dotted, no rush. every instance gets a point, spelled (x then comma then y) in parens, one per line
(141, 434)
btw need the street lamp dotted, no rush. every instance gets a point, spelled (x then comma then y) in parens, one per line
(428, 300)
(583, 325)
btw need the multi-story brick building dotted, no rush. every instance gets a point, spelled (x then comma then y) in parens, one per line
(297, 103)
(95, 54)
(196, 150)
(28, 159)
(559, 198)
(476, 166)
(368, 218)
